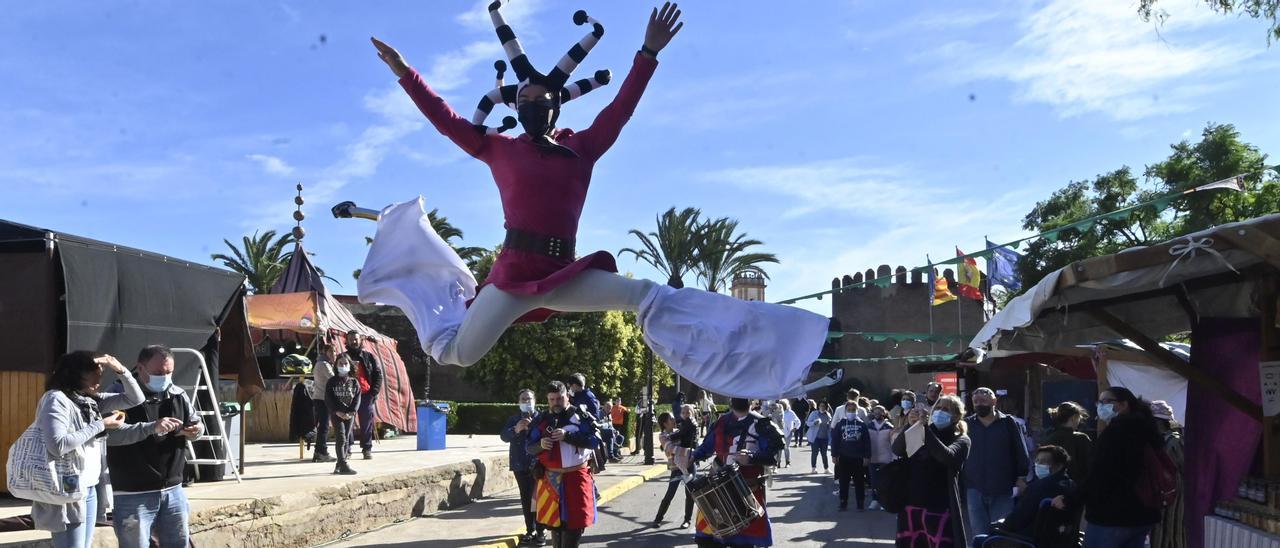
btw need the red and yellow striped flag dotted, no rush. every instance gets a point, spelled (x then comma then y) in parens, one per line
(968, 277)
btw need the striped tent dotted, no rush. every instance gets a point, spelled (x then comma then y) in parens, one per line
(300, 303)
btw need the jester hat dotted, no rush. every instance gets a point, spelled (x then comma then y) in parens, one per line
(557, 81)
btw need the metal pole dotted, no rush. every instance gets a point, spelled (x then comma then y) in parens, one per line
(646, 420)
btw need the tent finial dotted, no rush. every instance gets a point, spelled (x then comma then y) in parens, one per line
(298, 216)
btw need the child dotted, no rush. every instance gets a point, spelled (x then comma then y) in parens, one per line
(342, 397)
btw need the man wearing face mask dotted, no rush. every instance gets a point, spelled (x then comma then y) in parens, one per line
(997, 462)
(516, 434)
(147, 457)
(563, 440)
(367, 371)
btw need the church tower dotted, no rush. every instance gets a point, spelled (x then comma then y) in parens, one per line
(748, 286)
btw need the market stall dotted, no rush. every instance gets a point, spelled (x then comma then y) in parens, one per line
(1219, 286)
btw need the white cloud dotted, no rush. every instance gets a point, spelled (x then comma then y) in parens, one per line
(1083, 56)
(272, 165)
(515, 13)
(874, 215)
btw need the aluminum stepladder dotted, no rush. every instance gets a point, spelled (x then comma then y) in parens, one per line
(205, 384)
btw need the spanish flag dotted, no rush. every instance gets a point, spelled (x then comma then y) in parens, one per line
(968, 277)
(939, 290)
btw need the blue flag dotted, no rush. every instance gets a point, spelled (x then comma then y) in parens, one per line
(1002, 267)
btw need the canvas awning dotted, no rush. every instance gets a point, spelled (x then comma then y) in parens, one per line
(297, 312)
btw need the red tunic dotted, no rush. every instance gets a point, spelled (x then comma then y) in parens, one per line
(542, 192)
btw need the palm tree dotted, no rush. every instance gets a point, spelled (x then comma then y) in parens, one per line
(448, 232)
(261, 261)
(674, 248)
(724, 254)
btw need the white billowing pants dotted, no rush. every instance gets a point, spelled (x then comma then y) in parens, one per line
(726, 345)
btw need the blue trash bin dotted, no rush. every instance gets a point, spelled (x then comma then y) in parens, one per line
(432, 418)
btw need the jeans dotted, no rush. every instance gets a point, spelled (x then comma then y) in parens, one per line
(819, 446)
(321, 412)
(164, 513)
(848, 468)
(984, 509)
(672, 486)
(365, 414)
(610, 444)
(526, 482)
(872, 470)
(341, 438)
(1099, 536)
(80, 535)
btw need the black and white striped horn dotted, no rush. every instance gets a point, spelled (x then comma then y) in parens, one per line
(581, 87)
(515, 53)
(559, 76)
(502, 93)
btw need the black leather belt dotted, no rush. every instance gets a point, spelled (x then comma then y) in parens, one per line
(532, 242)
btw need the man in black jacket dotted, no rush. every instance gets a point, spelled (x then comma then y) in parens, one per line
(147, 457)
(369, 374)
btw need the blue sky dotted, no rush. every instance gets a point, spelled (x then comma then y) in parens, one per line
(857, 134)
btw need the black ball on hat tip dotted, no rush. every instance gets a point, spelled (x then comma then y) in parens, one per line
(580, 17)
(604, 76)
(494, 6)
(508, 122)
(500, 65)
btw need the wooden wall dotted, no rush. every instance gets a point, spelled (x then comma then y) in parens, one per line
(20, 391)
(268, 418)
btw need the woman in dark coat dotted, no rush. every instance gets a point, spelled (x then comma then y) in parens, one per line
(1066, 434)
(934, 514)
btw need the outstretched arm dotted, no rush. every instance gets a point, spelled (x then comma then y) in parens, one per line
(442, 116)
(604, 131)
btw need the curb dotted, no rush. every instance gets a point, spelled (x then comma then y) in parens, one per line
(513, 540)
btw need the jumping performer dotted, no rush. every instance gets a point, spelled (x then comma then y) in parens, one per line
(734, 347)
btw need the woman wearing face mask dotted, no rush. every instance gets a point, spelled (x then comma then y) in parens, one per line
(905, 401)
(933, 516)
(1171, 533)
(1066, 434)
(1116, 517)
(74, 416)
(881, 432)
(342, 397)
(516, 433)
(819, 422)
(1051, 480)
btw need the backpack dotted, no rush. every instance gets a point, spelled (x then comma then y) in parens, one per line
(1158, 484)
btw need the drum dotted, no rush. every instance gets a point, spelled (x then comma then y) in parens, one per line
(725, 500)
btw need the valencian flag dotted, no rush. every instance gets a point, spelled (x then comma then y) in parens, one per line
(968, 278)
(939, 290)
(1002, 267)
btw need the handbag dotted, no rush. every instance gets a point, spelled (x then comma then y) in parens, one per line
(33, 475)
(891, 485)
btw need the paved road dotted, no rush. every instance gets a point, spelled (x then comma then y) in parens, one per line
(803, 511)
(802, 508)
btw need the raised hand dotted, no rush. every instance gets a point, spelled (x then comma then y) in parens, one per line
(663, 26)
(392, 58)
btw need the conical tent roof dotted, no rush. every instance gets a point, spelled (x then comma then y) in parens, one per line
(395, 402)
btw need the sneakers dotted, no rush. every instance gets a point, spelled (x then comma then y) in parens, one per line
(343, 470)
(322, 457)
(684, 524)
(813, 470)
(368, 454)
(874, 505)
(534, 539)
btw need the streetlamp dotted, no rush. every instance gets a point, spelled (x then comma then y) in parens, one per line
(646, 420)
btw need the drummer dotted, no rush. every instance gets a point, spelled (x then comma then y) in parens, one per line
(752, 441)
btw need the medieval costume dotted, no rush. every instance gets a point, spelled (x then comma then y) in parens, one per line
(757, 437)
(565, 494)
(724, 344)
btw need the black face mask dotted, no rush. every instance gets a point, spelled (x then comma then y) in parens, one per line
(983, 410)
(538, 118)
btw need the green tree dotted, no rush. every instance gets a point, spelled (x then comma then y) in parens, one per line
(262, 259)
(724, 254)
(607, 347)
(1219, 154)
(674, 247)
(1257, 9)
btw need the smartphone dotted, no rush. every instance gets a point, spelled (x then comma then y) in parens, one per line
(190, 423)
